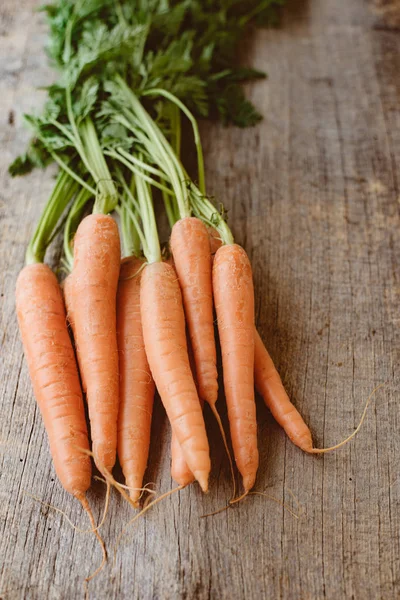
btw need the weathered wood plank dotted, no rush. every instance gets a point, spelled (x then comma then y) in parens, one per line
(313, 193)
(387, 14)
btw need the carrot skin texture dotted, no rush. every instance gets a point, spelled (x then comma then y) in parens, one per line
(91, 304)
(54, 374)
(234, 304)
(269, 385)
(67, 288)
(190, 247)
(164, 335)
(180, 472)
(136, 382)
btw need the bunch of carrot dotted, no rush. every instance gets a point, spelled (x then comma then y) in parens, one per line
(129, 322)
(206, 272)
(144, 321)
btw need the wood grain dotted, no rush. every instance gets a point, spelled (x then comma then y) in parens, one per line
(313, 194)
(387, 14)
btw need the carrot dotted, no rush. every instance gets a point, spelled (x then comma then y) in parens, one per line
(191, 251)
(67, 287)
(54, 374)
(52, 367)
(91, 303)
(234, 304)
(180, 472)
(269, 384)
(165, 342)
(270, 387)
(136, 382)
(51, 359)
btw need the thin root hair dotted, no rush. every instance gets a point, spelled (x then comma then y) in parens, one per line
(254, 493)
(141, 513)
(225, 442)
(357, 429)
(61, 512)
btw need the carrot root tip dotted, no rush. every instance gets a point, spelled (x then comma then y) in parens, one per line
(202, 479)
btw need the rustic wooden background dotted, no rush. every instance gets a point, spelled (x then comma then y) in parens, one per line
(313, 194)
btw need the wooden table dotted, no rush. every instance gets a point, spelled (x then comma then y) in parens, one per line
(313, 194)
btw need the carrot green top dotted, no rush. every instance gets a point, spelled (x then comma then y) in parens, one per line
(125, 70)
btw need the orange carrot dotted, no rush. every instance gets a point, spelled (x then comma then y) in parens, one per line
(269, 384)
(180, 472)
(270, 387)
(191, 251)
(234, 304)
(66, 287)
(165, 342)
(91, 302)
(136, 382)
(54, 374)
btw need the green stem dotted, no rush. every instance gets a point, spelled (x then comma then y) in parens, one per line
(153, 251)
(169, 209)
(89, 149)
(63, 192)
(76, 135)
(133, 216)
(134, 238)
(68, 134)
(72, 174)
(137, 171)
(147, 148)
(120, 14)
(206, 211)
(196, 133)
(68, 32)
(107, 198)
(142, 164)
(129, 191)
(157, 139)
(187, 195)
(130, 238)
(177, 129)
(71, 225)
(132, 234)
